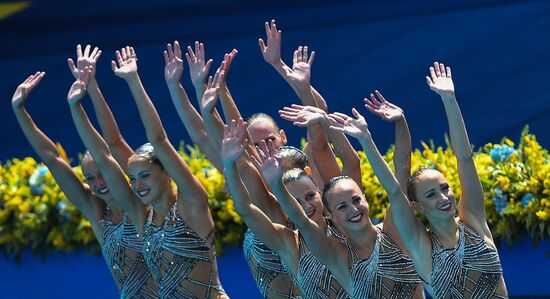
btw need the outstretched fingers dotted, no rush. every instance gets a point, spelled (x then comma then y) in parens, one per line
(72, 65)
(78, 51)
(34, 80)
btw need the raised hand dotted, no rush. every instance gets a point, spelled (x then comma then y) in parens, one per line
(272, 51)
(269, 165)
(300, 74)
(84, 59)
(354, 127)
(441, 81)
(303, 116)
(198, 68)
(226, 64)
(127, 63)
(173, 68)
(24, 89)
(211, 94)
(386, 110)
(78, 89)
(234, 141)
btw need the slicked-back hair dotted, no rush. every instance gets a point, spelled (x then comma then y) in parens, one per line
(294, 175)
(330, 185)
(259, 117)
(291, 157)
(147, 151)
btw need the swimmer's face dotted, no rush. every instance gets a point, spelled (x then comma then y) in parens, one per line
(149, 180)
(435, 198)
(94, 179)
(347, 206)
(266, 130)
(309, 197)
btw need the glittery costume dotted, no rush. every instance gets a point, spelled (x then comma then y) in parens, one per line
(271, 277)
(387, 273)
(181, 262)
(470, 270)
(121, 249)
(314, 279)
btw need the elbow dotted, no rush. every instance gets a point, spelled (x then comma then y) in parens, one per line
(394, 191)
(114, 142)
(157, 139)
(200, 139)
(52, 158)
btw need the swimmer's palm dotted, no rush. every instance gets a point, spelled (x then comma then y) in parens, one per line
(272, 170)
(127, 69)
(443, 86)
(232, 148)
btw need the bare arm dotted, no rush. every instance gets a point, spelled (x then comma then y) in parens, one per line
(214, 126)
(198, 69)
(196, 198)
(402, 153)
(411, 230)
(191, 119)
(78, 193)
(471, 206)
(308, 116)
(277, 237)
(328, 250)
(113, 173)
(117, 145)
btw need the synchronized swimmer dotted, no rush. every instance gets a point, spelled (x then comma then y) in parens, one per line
(309, 231)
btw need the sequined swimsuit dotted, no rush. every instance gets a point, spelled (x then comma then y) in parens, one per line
(173, 251)
(267, 269)
(121, 249)
(314, 279)
(387, 273)
(470, 270)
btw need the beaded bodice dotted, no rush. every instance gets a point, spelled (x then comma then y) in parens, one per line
(181, 262)
(271, 277)
(121, 249)
(314, 279)
(470, 270)
(387, 273)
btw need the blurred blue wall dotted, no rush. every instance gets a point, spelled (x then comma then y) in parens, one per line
(499, 51)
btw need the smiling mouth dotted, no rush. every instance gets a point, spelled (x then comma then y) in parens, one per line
(310, 213)
(103, 191)
(446, 207)
(143, 192)
(357, 218)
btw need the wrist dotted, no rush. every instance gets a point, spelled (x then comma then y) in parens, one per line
(18, 107)
(173, 85)
(132, 78)
(276, 63)
(448, 96)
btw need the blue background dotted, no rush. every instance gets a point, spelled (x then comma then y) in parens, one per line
(499, 52)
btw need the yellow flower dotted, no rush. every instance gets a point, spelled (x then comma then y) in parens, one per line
(543, 215)
(504, 182)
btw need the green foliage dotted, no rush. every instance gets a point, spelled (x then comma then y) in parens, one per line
(36, 215)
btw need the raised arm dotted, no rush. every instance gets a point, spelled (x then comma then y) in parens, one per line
(471, 206)
(198, 68)
(112, 172)
(411, 230)
(78, 193)
(328, 250)
(307, 116)
(299, 78)
(196, 198)
(214, 125)
(401, 155)
(190, 117)
(271, 52)
(277, 237)
(117, 145)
